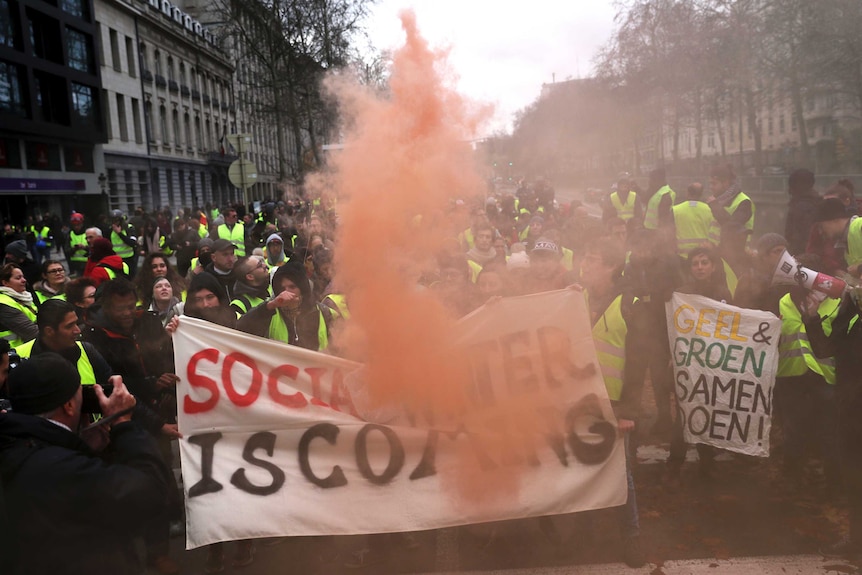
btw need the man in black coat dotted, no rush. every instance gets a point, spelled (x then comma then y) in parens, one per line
(68, 510)
(800, 211)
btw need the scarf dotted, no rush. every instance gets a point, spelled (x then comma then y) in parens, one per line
(726, 198)
(25, 298)
(482, 257)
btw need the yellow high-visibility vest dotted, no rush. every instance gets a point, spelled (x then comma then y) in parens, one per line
(651, 218)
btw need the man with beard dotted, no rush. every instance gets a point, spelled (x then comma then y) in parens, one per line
(252, 284)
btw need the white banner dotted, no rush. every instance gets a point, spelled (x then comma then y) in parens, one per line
(725, 359)
(282, 441)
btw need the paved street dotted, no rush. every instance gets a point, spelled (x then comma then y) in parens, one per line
(748, 519)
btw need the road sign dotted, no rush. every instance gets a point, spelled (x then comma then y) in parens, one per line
(242, 173)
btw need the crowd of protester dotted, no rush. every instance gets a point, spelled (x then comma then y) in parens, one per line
(104, 312)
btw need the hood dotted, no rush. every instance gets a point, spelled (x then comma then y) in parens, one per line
(295, 271)
(208, 281)
(101, 248)
(113, 261)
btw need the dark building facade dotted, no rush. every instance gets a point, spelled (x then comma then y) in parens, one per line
(51, 109)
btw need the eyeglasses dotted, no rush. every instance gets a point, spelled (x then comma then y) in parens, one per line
(57, 271)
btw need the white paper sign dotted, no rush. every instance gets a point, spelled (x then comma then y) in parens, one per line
(725, 359)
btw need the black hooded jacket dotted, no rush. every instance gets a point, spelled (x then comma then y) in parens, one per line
(223, 314)
(304, 332)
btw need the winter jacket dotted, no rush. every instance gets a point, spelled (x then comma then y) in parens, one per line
(70, 511)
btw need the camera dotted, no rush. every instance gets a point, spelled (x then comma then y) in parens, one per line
(5, 405)
(90, 401)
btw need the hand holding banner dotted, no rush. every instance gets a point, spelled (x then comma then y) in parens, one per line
(283, 441)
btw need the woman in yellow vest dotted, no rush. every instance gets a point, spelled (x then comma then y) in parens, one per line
(53, 283)
(17, 309)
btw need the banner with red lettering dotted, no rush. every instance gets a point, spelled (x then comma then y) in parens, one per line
(725, 359)
(282, 441)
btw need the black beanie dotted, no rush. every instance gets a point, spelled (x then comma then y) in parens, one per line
(42, 384)
(830, 209)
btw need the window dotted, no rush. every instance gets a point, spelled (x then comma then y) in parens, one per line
(163, 125)
(51, 98)
(115, 50)
(148, 120)
(45, 36)
(157, 63)
(182, 74)
(175, 124)
(769, 125)
(11, 90)
(171, 69)
(74, 7)
(83, 107)
(781, 124)
(10, 153)
(78, 159)
(198, 134)
(10, 30)
(121, 118)
(793, 127)
(42, 156)
(187, 125)
(136, 120)
(142, 49)
(80, 53)
(130, 57)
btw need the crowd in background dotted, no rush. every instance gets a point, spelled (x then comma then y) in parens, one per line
(109, 305)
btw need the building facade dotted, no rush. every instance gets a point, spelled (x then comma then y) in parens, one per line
(51, 108)
(169, 106)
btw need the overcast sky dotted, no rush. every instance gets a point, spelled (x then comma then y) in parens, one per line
(504, 51)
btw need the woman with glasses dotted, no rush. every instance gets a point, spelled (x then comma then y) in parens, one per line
(53, 283)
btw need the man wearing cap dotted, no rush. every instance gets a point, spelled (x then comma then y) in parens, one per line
(68, 510)
(546, 270)
(222, 264)
(17, 253)
(76, 245)
(845, 230)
